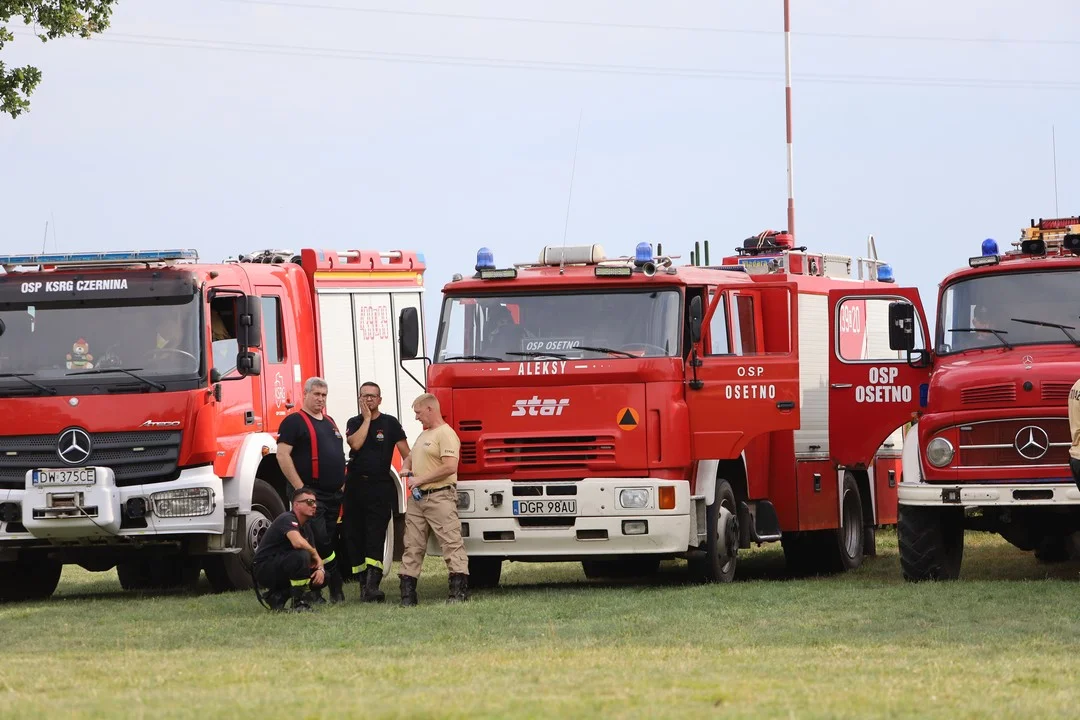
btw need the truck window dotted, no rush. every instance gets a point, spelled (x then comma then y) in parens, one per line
(589, 325)
(743, 329)
(718, 329)
(863, 330)
(273, 330)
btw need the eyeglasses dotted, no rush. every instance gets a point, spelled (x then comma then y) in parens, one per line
(309, 502)
(367, 396)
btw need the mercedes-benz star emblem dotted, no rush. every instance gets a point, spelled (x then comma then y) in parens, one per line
(73, 447)
(1028, 362)
(1032, 442)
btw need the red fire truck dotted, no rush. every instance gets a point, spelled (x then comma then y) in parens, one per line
(990, 450)
(624, 411)
(141, 394)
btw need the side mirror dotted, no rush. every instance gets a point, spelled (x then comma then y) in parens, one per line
(248, 322)
(696, 315)
(248, 363)
(2, 327)
(920, 359)
(901, 326)
(408, 333)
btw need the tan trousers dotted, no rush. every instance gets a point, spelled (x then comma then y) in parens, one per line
(437, 512)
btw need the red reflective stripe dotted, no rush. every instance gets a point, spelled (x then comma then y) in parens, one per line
(314, 442)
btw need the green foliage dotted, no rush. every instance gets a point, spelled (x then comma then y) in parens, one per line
(49, 20)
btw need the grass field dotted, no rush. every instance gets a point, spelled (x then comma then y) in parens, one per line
(1002, 642)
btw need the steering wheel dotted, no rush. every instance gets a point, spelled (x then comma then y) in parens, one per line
(643, 350)
(174, 351)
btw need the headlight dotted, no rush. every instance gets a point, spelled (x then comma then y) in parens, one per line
(464, 500)
(634, 497)
(189, 502)
(939, 452)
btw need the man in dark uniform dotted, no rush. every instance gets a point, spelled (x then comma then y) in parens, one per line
(370, 493)
(286, 562)
(320, 466)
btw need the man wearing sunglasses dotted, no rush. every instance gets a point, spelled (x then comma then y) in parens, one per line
(286, 562)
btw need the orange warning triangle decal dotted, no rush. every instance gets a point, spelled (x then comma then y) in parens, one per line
(627, 419)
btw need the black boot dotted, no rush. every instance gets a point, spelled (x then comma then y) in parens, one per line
(371, 591)
(299, 600)
(361, 580)
(408, 590)
(459, 588)
(277, 599)
(337, 592)
(314, 597)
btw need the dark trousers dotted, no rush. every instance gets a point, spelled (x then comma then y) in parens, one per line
(1074, 465)
(281, 572)
(324, 524)
(369, 505)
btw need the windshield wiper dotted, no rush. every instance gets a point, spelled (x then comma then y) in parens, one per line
(997, 334)
(25, 379)
(131, 372)
(1063, 328)
(536, 353)
(605, 350)
(485, 358)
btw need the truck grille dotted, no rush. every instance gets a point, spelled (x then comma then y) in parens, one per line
(1056, 391)
(135, 457)
(537, 453)
(998, 443)
(1003, 392)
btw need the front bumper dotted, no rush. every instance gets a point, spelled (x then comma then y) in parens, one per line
(600, 526)
(988, 494)
(108, 504)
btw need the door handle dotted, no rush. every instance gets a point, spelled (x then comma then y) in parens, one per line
(289, 405)
(786, 405)
(841, 386)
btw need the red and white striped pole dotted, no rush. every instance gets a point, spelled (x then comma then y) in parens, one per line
(787, 99)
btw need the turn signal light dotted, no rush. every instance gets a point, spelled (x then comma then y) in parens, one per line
(666, 496)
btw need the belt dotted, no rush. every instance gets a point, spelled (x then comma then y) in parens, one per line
(428, 492)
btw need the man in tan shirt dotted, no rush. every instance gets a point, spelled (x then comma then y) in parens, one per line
(1074, 431)
(431, 471)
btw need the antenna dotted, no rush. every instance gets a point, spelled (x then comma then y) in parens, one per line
(1053, 142)
(46, 238)
(573, 169)
(787, 103)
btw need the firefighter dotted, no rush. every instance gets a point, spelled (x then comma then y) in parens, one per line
(286, 563)
(370, 491)
(431, 470)
(310, 455)
(1074, 432)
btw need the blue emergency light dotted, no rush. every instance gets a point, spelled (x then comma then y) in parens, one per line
(485, 259)
(642, 253)
(884, 273)
(101, 257)
(989, 247)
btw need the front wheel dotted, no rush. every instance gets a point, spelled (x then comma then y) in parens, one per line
(717, 563)
(29, 578)
(233, 571)
(845, 552)
(931, 542)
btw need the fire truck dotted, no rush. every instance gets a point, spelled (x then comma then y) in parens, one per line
(141, 394)
(623, 411)
(990, 450)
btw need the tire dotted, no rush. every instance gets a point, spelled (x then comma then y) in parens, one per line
(845, 549)
(232, 571)
(484, 572)
(710, 567)
(29, 578)
(931, 542)
(632, 566)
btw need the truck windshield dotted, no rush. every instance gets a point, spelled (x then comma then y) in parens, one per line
(1018, 308)
(54, 342)
(569, 325)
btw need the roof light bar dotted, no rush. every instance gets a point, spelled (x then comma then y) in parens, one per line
(497, 274)
(101, 257)
(983, 260)
(612, 271)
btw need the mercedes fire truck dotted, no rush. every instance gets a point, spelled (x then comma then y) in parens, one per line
(990, 450)
(141, 392)
(623, 411)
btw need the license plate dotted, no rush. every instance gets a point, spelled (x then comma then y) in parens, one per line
(75, 476)
(545, 507)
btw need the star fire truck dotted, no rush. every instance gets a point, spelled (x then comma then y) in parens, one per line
(990, 450)
(141, 394)
(620, 412)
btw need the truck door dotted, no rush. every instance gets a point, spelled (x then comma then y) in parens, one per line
(872, 390)
(282, 390)
(242, 409)
(743, 376)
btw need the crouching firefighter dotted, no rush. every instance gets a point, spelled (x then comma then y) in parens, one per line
(311, 455)
(286, 563)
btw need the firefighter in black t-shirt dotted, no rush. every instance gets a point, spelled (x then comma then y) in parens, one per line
(370, 493)
(286, 562)
(325, 476)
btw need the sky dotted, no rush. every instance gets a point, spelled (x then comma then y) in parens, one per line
(229, 126)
